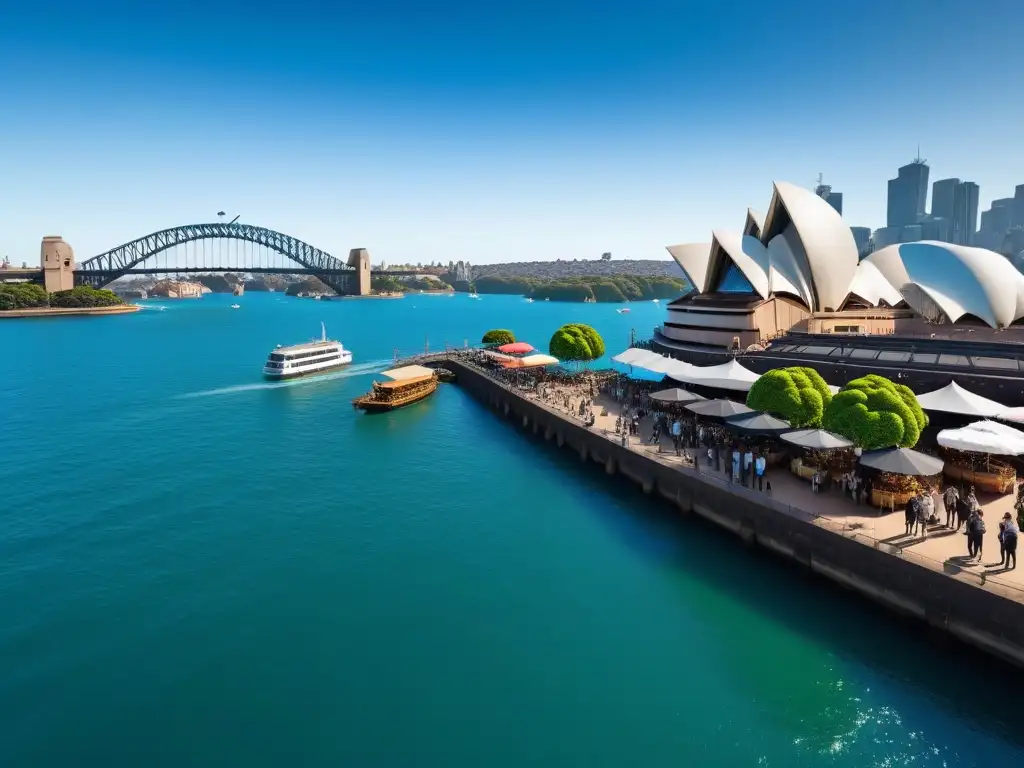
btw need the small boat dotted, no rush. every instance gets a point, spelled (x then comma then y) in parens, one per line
(407, 385)
(623, 311)
(529, 301)
(473, 296)
(656, 301)
(236, 306)
(322, 355)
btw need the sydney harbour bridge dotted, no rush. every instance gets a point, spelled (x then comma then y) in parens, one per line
(200, 249)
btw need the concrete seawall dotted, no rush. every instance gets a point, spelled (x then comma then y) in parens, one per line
(981, 616)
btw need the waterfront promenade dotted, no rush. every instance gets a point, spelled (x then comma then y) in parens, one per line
(942, 552)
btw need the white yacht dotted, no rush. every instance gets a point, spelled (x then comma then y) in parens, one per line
(473, 296)
(318, 356)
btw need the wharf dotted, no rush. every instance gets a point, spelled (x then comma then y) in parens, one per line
(849, 545)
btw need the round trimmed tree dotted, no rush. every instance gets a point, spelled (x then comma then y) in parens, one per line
(498, 336)
(798, 395)
(875, 412)
(576, 343)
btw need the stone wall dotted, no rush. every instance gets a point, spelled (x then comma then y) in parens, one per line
(979, 616)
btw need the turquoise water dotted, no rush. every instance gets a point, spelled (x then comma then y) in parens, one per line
(197, 568)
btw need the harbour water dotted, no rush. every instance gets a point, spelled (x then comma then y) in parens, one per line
(200, 568)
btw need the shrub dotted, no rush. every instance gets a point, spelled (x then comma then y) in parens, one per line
(875, 412)
(498, 336)
(796, 394)
(578, 343)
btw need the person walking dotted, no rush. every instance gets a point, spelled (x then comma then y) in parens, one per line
(677, 435)
(760, 464)
(1008, 541)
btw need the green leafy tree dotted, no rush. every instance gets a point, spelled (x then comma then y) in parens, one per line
(576, 343)
(798, 395)
(875, 412)
(498, 336)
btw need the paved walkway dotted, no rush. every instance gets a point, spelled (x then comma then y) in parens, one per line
(940, 549)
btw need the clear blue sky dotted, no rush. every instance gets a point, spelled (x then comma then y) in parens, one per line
(451, 130)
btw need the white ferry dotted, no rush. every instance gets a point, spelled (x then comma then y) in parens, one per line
(313, 357)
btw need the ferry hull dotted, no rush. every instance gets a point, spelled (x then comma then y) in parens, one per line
(304, 374)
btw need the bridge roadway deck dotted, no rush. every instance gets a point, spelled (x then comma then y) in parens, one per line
(903, 584)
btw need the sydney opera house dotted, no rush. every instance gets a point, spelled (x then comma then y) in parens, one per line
(790, 289)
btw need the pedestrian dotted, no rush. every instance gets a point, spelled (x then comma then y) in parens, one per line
(760, 464)
(949, 499)
(1008, 542)
(910, 514)
(976, 533)
(922, 514)
(677, 433)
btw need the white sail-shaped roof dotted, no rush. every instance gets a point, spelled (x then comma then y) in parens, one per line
(959, 279)
(804, 249)
(692, 258)
(870, 285)
(827, 250)
(747, 253)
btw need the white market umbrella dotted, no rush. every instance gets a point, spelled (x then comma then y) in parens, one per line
(903, 461)
(988, 437)
(818, 439)
(955, 399)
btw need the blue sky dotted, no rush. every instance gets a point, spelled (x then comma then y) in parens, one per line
(454, 130)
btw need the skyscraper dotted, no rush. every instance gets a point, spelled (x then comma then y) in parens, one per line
(942, 197)
(908, 193)
(995, 222)
(824, 191)
(861, 236)
(965, 213)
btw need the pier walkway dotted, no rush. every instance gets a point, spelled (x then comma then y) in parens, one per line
(941, 550)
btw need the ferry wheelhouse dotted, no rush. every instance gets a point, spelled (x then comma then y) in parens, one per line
(314, 357)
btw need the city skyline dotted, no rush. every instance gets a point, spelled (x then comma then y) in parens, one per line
(549, 132)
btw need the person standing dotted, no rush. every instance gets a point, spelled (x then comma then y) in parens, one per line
(760, 464)
(910, 515)
(949, 500)
(1008, 545)
(677, 435)
(976, 532)
(922, 515)
(748, 467)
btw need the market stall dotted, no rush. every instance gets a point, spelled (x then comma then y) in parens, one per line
(969, 451)
(901, 473)
(823, 450)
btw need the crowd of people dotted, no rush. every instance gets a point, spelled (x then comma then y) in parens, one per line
(712, 447)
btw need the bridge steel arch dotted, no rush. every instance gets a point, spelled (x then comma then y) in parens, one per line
(107, 267)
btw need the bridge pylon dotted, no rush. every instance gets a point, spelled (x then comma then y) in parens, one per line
(57, 259)
(359, 284)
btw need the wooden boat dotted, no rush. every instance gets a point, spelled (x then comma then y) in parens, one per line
(408, 385)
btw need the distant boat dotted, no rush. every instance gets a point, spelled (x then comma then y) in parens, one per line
(529, 301)
(236, 306)
(656, 301)
(623, 311)
(473, 296)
